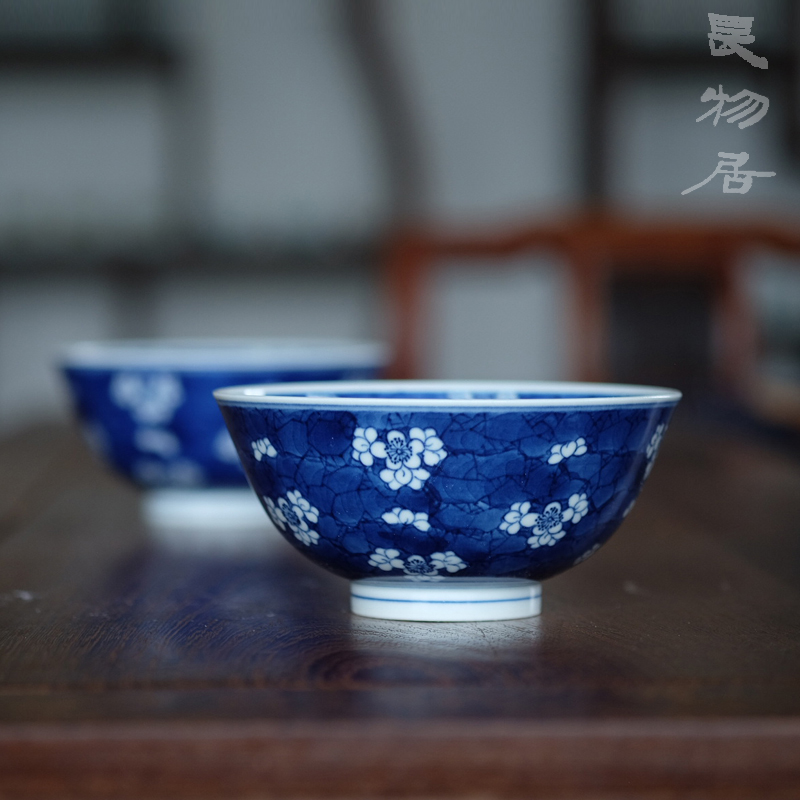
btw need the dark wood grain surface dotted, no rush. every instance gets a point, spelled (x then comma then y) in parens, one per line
(134, 664)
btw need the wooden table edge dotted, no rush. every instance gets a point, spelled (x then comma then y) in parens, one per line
(737, 757)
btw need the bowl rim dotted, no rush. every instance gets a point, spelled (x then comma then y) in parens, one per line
(320, 393)
(210, 353)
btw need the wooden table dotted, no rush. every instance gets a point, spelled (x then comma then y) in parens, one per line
(666, 666)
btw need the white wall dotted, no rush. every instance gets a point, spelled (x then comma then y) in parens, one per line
(496, 320)
(267, 131)
(496, 89)
(319, 305)
(37, 316)
(290, 145)
(80, 160)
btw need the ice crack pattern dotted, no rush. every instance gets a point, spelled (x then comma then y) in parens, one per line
(413, 486)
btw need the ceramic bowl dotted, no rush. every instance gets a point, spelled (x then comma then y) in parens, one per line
(447, 500)
(146, 406)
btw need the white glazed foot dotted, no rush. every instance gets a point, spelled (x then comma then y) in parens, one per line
(208, 520)
(206, 508)
(448, 600)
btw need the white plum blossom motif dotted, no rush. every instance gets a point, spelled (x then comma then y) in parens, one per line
(306, 537)
(448, 561)
(275, 514)
(157, 440)
(583, 556)
(263, 447)
(294, 512)
(403, 462)
(546, 527)
(518, 516)
(652, 447)
(386, 559)
(403, 456)
(415, 566)
(404, 516)
(433, 451)
(655, 440)
(363, 440)
(419, 568)
(152, 399)
(578, 507)
(558, 452)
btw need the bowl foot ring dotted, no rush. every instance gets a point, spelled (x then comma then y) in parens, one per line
(446, 600)
(203, 508)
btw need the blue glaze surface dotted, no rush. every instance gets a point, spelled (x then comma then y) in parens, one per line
(434, 492)
(162, 427)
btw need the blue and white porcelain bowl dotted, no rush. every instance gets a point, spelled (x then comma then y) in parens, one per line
(146, 407)
(447, 500)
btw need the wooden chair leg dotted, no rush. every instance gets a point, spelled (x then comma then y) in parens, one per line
(406, 272)
(590, 334)
(736, 330)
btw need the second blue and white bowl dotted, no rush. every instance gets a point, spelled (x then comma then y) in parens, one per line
(146, 407)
